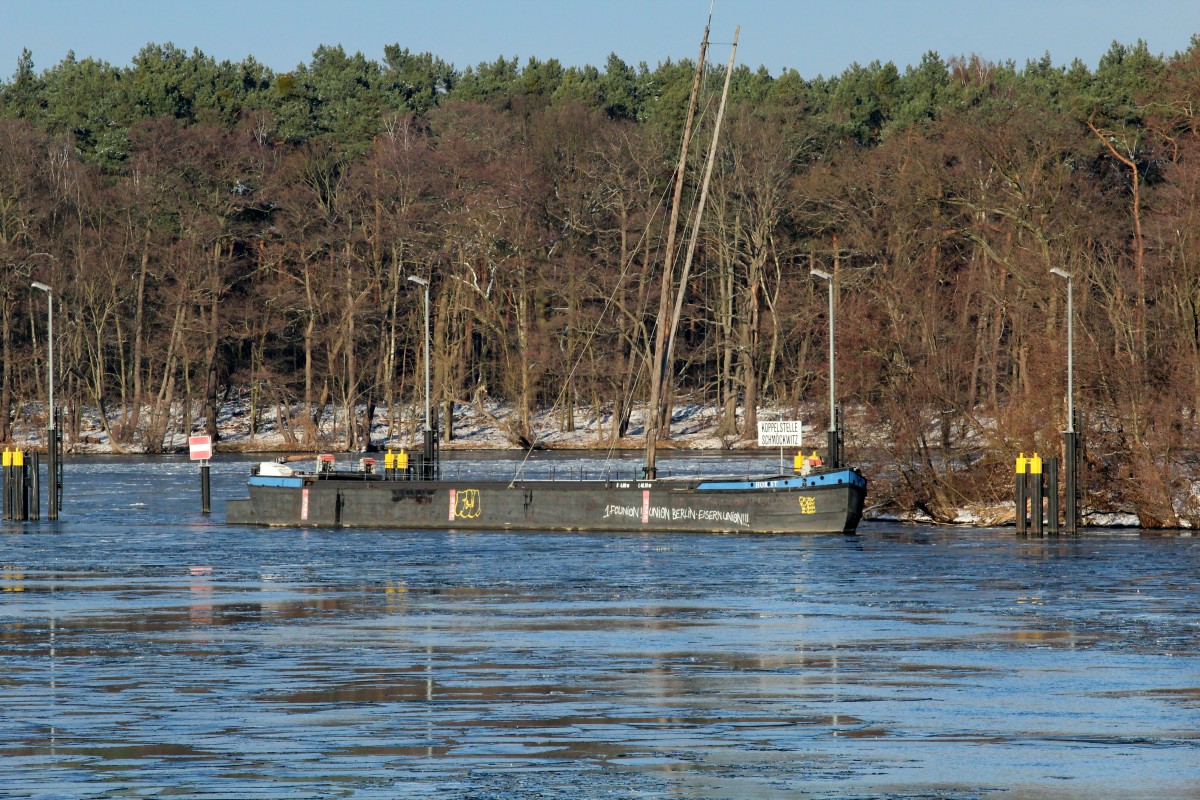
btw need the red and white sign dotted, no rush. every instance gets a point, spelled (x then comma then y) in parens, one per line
(200, 447)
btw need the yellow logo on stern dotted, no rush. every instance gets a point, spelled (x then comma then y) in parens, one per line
(808, 505)
(467, 505)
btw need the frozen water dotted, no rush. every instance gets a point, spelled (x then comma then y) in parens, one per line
(146, 649)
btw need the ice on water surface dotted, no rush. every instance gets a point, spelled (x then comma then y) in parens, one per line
(145, 646)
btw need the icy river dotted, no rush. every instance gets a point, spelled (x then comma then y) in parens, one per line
(149, 650)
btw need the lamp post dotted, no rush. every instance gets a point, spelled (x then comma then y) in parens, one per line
(1070, 437)
(1070, 345)
(429, 443)
(51, 429)
(834, 461)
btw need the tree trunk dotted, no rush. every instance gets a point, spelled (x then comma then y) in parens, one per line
(131, 422)
(6, 399)
(212, 376)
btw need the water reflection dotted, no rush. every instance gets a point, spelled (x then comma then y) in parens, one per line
(201, 590)
(12, 579)
(138, 653)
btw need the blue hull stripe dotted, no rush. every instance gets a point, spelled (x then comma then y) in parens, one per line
(840, 477)
(265, 480)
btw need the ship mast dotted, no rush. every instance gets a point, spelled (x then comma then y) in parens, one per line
(657, 372)
(664, 334)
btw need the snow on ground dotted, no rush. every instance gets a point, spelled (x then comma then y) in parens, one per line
(693, 427)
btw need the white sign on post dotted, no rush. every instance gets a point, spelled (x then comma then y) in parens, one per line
(780, 433)
(200, 447)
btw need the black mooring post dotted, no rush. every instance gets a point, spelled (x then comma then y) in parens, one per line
(429, 465)
(20, 495)
(205, 486)
(6, 486)
(1021, 494)
(35, 486)
(1070, 481)
(833, 440)
(437, 453)
(26, 494)
(53, 467)
(58, 444)
(1050, 470)
(1036, 494)
(9, 484)
(10, 491)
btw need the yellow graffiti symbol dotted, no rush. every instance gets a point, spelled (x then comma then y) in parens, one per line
(808, 505)
(467, 505)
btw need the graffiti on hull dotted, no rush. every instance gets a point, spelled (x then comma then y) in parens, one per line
(464, 504)
(645, 513)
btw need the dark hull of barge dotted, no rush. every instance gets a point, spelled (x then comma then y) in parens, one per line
(829, 502)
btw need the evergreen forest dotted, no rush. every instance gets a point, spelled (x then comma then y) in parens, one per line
(217, 232)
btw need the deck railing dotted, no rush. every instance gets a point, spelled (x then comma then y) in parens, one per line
(474, 470)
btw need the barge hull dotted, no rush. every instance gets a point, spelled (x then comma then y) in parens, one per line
(550, 505)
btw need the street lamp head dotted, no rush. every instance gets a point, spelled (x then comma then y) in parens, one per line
(418, 281)
(820, 273)
(41, 286)
(1060, 273)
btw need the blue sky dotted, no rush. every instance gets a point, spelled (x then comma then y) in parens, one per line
(814, 36)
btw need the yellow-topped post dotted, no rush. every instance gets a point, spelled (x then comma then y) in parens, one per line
(1021, 493)
(15, 492)
(1036, 495)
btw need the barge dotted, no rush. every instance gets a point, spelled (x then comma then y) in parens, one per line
(828, 501)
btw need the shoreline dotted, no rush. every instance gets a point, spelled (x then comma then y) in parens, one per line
(693, 432)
